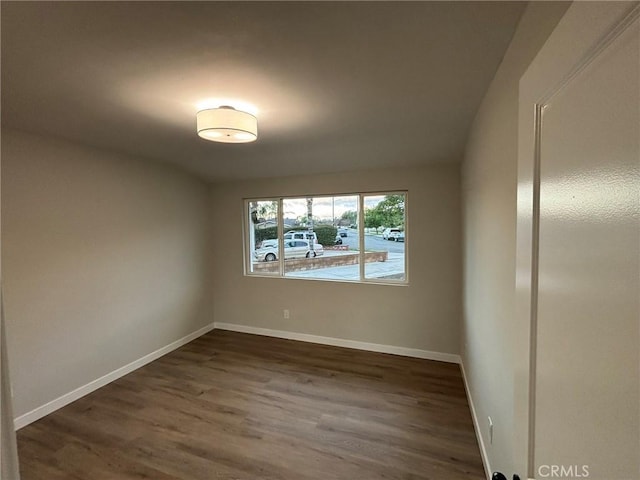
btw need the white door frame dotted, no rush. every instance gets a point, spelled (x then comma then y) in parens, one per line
(8, 449)
(583, 33)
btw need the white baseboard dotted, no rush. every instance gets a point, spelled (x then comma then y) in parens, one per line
(476, 425)
(67, 398)
(340, 342)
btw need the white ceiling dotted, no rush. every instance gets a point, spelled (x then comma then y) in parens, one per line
(339, 86)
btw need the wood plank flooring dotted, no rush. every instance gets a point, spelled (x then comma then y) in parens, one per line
(237, 406)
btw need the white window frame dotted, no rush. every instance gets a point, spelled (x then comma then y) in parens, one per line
(246, 223)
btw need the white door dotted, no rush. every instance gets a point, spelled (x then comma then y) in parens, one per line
(578, 289)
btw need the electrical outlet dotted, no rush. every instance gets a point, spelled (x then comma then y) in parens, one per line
(490, 430)
(286, 313)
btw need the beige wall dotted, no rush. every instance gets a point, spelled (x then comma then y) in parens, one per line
(424, 315)
(104, 257)
(489, 205)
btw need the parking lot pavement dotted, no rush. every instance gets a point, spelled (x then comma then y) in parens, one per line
(393, 267)
(372, 242)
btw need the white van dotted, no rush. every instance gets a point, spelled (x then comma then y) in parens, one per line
(301, 235)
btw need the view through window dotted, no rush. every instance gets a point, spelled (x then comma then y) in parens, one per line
(355, 237)
(263, 236)
(384, 235)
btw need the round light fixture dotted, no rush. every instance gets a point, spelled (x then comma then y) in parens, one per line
(226, 124)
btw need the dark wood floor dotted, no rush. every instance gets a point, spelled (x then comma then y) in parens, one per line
(237, 406)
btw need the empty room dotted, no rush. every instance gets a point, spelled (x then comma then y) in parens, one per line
(315, 240)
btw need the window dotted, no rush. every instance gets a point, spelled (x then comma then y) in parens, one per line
(355, 237)
(384, 222)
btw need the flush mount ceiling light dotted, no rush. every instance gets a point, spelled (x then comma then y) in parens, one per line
(226, 124)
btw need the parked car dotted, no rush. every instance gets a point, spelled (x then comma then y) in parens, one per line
(292, 249)
(309, 236)
(270, 243)
(318, 250)
(343, 231)
(392, 234)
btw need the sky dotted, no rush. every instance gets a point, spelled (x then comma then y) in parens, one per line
(327, 207)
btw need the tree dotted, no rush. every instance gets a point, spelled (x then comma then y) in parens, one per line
(372, 218)
(303, 221)
(351, 216)
(392, 210)
(388, 213)
(267, 210)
